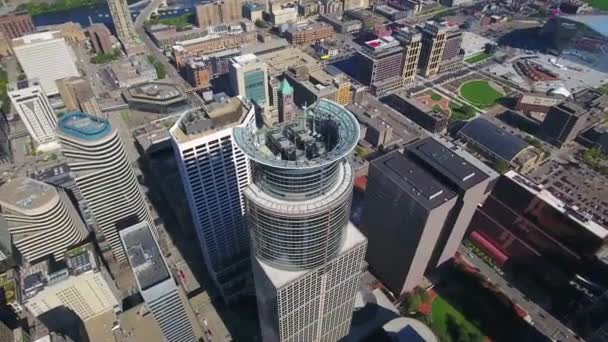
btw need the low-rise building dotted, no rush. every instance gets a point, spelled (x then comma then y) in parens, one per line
(367, 18)
(253, 11)
(536, 106)
(310, 33)
(135, 70)
(341, 25)
(282, 11)
(418, 112)
(392, 13)
(165, 36)
(564, 122)
(155, 97)
(70, 31)
(210, 43)
(101, 38)
(83, 285)
(198, 72)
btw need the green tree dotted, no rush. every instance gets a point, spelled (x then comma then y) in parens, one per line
(261, 23)
(501, 166)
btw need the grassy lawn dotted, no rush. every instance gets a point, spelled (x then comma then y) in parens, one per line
(436, 97)
(482, 56)
(441, 311)
(480, 93)
(461, 112)
(599, 4)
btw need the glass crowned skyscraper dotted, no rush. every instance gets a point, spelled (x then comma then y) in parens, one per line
(307, 256)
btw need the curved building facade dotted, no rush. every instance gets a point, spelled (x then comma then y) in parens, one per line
(298, 210)
(104, 175)
(41, 219)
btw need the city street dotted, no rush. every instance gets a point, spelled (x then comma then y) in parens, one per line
(541, 319)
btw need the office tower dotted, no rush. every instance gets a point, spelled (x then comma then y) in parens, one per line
(104, 175)
(35, 111)
(563, 123)
(45, 56)
(101, 38)
(249, 78)
(307, 256)
(380, 65)
(433, 45)
(214, 173)
(156, 285)
(83, 285)
(282, 11)
(41, 219)
(452, 56)
(16, 25)
(287, 109)
(77, 95)
(123, 24)
(418, 206)
(412, 43)
(219, 12)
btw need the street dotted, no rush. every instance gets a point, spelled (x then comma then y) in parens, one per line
(541, 319)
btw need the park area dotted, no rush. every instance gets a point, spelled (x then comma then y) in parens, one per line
(480, 57)
(480, 93)
(599, 4)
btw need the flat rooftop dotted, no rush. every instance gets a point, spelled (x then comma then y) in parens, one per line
(84, 126)
(572, 212)
(539, 100)
(412, 178)
(36, 38)
(26, 195)
(279, 61)
(446, 161)
(146, 260)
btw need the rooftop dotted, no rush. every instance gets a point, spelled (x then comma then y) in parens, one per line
(326, 133)
(597, 22)
(144, 256)
(36, 38)
(83, 126)
(23, 84)
(412, 178)
(449, 162)
(539, 100)
(382, 43)
(572, 107)
(572, 212)
(245, 59)
(26, 195)
(279, 61)
(227, 112)
(161, 93)
(494, 139)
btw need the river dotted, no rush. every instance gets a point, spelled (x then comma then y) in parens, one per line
(101, 14)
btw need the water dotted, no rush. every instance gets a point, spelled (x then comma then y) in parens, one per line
(101, 14)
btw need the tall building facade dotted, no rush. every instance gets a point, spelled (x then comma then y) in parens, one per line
(156, 285)
(219, 12)
(35, 111)
(433, 44)
(563, 123)
(452, 55)
(249, 78)
(123, 24)
(418, 206)
(45, 56)
(104, 175)
(16, 25)
(380, 65)
(214, 173)
(307, 257)
(84, 285)
(412, 44)
(41, 219)
(77, 95)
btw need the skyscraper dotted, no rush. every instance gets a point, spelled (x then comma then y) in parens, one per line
(418, 206)
(249, 78)
(123, 24)
(35, 111)
(287, 108)
(380, 65)
(214, 173)
(46, 57)
(307, 256)
(156, 285)
(412, 42)
(452, 56)
(433, 44)
(77, 95)
(41, 219)
(104, 175)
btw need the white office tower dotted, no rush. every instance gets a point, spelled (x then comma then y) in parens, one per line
(308, 258)
(41, 219)
(249, 79)
(104, 175)
(84, 285)
(45, 56)
(156, 285)
(35, 112)
(214, 173)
